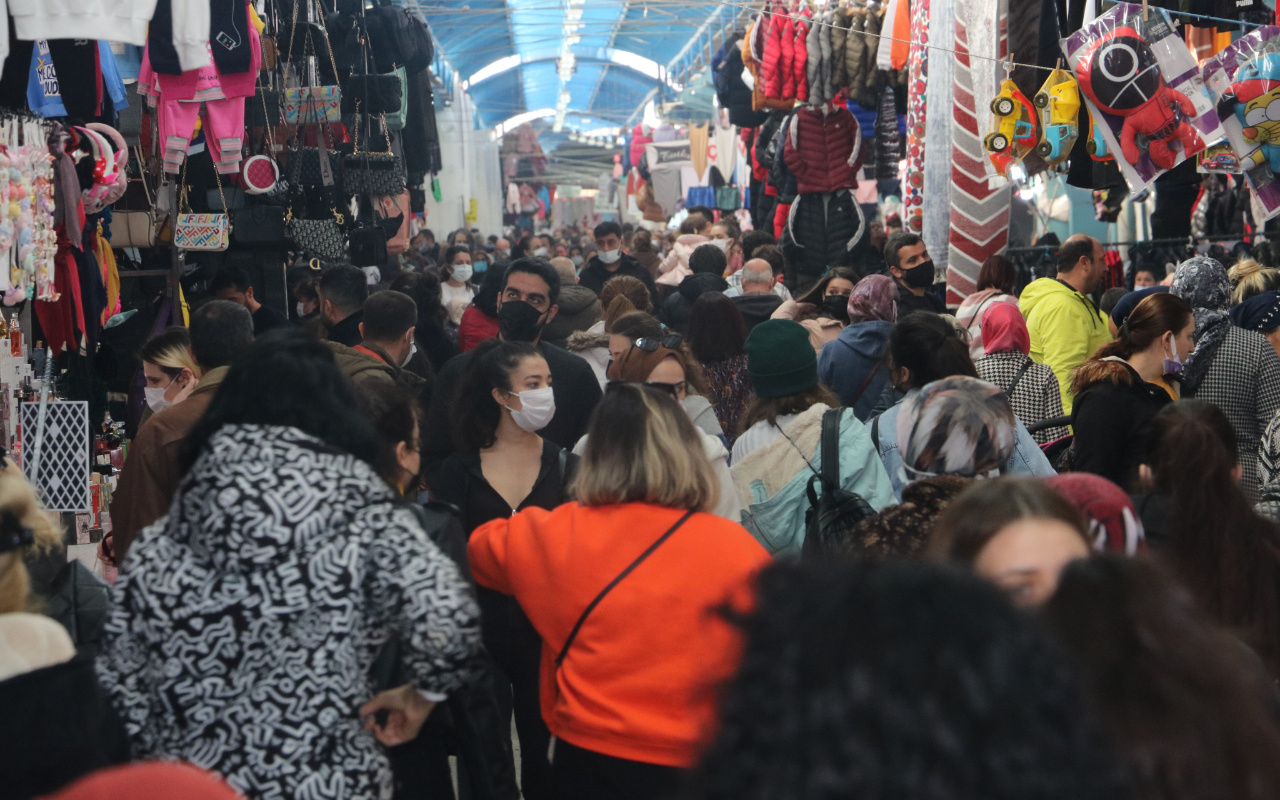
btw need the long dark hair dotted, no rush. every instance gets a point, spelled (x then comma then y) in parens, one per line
(289, 379)
(816, 292)
(1185, 704)
(475, 414)
(1156, 315)
(930, 348)
(899, 680)
(1224, 553)
(486, 296)
(424, 289)
(717, 331)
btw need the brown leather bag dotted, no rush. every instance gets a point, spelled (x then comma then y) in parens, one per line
(388, 206)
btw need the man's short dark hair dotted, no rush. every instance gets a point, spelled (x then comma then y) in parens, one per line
(753, 239)
(220, 331)
(774, 255)
(606, 228)
(388, 315)
(346, 287)
(895, 243)
(231, 278)
(1072, 250)
(540, 267)
(427, 233)
(708, 258)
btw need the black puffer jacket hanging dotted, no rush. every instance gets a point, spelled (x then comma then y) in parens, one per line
(823, 230)
(733, 91)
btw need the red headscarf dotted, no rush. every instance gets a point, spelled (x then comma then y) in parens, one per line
(1004, 330)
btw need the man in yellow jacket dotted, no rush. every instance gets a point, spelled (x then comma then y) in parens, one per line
(1066, 327)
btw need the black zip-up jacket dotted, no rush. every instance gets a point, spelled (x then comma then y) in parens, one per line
(596, 273)
(462, 484)
(1110, 419)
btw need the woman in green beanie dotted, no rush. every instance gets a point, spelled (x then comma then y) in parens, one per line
(779, 449)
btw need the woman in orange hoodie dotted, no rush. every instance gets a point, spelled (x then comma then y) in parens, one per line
(625, 587)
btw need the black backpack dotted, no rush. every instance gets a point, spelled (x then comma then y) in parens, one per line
(834, 513)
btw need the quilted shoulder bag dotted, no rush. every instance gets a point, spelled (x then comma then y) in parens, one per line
(372, 174)
(320, 238)
(210, 232)
(260, 173)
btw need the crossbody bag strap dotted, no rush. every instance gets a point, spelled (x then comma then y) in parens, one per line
(865, 383)
(831, 449)
(1018, 378)
(577, 626)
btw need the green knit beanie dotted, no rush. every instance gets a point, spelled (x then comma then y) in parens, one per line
(781, 359)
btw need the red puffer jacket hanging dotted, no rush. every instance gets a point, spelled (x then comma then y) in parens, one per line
(824, 149)
(800, 53)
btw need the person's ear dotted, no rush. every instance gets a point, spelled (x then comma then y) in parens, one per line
(1237, 472)
(248, 294)
(407, 339)
(1145, 477)
(499, 397)
(551, 314)
(361, 326)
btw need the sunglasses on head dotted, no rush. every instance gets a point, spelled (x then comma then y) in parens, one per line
(671, 341)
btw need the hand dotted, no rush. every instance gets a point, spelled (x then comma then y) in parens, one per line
(406, 711)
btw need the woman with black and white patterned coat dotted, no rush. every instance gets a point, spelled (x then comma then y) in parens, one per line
(246, 621)
(1235, 369)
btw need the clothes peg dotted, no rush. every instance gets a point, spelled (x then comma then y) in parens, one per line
(1146, 11)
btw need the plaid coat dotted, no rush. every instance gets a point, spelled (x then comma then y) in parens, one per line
(1036, 397)
(1244, 381)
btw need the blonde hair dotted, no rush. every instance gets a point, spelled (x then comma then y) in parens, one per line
(17, 497)
(643, 448)
(1248, 278)
(170, 350)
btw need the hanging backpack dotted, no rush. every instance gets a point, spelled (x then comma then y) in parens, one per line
(834, 513)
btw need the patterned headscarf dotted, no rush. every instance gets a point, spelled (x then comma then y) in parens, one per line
(1114, 526)
(1004, 330)
(875, 297)
(956, 426)
(1203, 283)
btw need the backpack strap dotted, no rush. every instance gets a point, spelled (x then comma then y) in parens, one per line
(577, 626)
(1018, 378)
(831, 449)
(875, 435)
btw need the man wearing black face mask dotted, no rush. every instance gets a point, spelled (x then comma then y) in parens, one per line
(912, 269)
(526, 305)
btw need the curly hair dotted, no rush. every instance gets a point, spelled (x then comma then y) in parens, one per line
(899, 680)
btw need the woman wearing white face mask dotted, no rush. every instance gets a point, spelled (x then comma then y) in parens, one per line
(170, 370)
(501, 467)
(456, 292)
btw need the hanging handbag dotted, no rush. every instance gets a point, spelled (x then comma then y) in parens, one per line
(312, 102)
(208, 232)
(376, 94)
(372, 174)
(259, 225)
(394, 210)
(259, 173)
(263, 110)
(396, 118)
(234, 199)
(135, 228)
(368, 246)
(320, 238)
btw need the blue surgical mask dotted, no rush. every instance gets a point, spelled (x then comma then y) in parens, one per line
(479, 267)
(1173, 365)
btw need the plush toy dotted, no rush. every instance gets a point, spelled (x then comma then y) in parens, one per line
(1254, 98)
(1120, 74)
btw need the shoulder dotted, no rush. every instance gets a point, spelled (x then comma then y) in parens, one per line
(559, 358)
(31, 641)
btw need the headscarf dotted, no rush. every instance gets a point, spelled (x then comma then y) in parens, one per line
(149, 780)
(1259, 313)
(956, 426)
(1114, 526)
(1203, 283)
(636, 365)
(874, 298)
(1004, 330)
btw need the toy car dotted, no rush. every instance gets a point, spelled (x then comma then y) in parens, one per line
(1016, 120)
(1222, 162)
(1097, 146)
(1059, 104)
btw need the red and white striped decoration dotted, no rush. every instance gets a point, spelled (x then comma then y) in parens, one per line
(979, 214)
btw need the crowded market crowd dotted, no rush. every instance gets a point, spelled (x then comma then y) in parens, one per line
(614, 513)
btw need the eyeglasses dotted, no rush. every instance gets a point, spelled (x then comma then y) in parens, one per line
(671, 341)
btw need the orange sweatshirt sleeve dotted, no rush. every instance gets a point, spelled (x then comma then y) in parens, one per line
(487, 551)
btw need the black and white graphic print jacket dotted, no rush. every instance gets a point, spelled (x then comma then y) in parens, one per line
(245, 623)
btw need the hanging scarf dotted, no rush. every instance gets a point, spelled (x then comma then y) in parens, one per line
(1203, 283)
